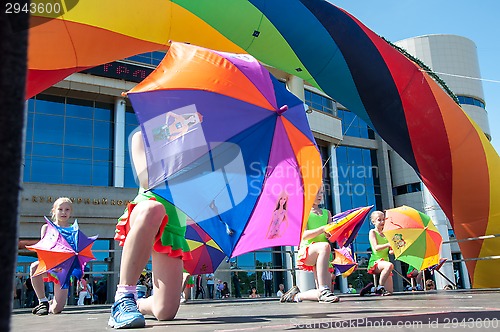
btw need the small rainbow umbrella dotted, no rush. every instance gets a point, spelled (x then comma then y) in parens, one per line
(343, 262)
(413, 237)
(345, 225)
(63, 252)
(207, 255)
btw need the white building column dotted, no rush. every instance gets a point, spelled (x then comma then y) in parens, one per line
(119, 148)
(433, 210)
(296, 86)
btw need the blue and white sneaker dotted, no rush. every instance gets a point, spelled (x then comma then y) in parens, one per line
(125, 314)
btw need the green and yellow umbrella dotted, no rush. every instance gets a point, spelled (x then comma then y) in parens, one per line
(413, 237)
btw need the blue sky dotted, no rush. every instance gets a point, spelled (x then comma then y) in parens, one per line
(477, 20)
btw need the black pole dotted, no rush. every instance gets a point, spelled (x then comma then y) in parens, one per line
(13, 50)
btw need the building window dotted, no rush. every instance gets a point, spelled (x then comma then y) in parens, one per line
(69, 141)
(407, 189)
(320, 103)
(148, 58)
(359, 185)
(353, 125)
(464, 100)
(131, 125)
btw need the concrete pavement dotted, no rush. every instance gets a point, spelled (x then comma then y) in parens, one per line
(418, 311)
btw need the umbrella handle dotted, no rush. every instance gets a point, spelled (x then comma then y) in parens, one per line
(402, 276)
(214, 208)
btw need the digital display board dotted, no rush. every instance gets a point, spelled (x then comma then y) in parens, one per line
(121, 70)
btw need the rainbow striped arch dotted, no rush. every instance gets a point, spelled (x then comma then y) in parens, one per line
(324, 45)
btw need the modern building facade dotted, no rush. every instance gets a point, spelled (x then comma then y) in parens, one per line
(77, 146)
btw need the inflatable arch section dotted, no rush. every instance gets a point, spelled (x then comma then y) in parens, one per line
(324, 45)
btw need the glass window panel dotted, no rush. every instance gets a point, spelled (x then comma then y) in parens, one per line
(102, 155)
(48, 128)
(77, 172)
(102, 134)
(47, 170)
(351, 131)
(246, 261)
(345, 199)
(77, 152)
(354, 156)
(29, 127)
(80, 108)
(129, 177)
(101, 174)
(49, 105)
(363, 132)
(31, 105)
(316, 99)
(47, 150)
(103, 111)
(359, 197)
(370, 199)
(264, 257)
(78, 132)
(341, 154)
(27, 171)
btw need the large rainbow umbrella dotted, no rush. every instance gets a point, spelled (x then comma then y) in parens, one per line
(413, 237)
(207, 255)
(63, 252)
(327, 47)
(345, 225)
(227, 144)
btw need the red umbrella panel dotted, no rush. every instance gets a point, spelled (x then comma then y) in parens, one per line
(63, 252)
(207, 255)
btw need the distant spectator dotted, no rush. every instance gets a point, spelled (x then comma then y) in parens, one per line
(281, 290)
(225, 290)
(253, 293)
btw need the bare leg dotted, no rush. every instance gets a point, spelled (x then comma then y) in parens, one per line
(167, 285)
(385, 269)
(37, 281)
(59, 301)
(145, 221)
(319, 257)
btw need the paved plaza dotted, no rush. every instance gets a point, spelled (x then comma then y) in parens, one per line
(418, 311)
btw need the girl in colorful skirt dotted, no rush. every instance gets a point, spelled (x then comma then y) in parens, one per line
(150, 226)
(315, 256)
(379, 260)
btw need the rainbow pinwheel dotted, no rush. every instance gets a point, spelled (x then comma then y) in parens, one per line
(63, 252)
(227, 144)
(413, 237)
(345, 225)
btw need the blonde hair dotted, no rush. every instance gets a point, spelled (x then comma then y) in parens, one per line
(58, 202)
(375, 214)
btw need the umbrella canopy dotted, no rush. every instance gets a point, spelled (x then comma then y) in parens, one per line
(413, 237)
(207, 255)
(345, 225)
(228, 145)
(326, 46)
(343, 262)
(63, 252)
